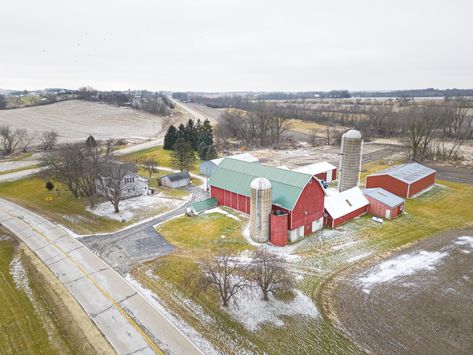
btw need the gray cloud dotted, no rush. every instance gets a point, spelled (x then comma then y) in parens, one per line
(236, 45)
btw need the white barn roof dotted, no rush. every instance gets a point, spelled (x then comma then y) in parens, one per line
(338, 204)
(316, 168)
(243, 157)
(384, 196)
(407, 173)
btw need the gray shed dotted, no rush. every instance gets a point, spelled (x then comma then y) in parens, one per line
(176, 180)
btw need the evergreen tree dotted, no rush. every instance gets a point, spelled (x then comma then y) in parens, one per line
(181, 133)
(170, 138)
(183, 156)
(211, 153)
(90, 142)
(205, 134)
(49, 185)
(191, 134)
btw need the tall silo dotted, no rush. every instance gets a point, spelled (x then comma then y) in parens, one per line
(350, 160)
(261, 202)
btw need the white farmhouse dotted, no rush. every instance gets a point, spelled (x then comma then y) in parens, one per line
(131, 184)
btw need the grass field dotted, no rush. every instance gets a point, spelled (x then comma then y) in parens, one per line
(162, 156)
(63, 208)
(307, 127)
(26, 326)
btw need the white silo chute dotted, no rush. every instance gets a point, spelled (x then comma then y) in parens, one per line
(261, 202)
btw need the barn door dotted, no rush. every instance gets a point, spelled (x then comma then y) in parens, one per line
(388, 214)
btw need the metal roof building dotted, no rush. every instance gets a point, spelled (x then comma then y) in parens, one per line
(344, 206)
(296, 194)
(176, 180)
(403, 180)
(383, 203)
(208, 167)
(322, 170)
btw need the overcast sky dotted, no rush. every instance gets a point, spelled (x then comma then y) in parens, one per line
(204, 45)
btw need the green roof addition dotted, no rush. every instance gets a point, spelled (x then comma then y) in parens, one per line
(204, 205)
(235, 176)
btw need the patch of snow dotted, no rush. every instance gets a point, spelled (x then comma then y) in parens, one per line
(130, 206)
(20, 277)
(465, 240)
(358, 257)
(221, 211)
(403, 265)
(250, 310)
(185, 328)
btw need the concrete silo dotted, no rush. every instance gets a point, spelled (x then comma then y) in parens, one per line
(350, 160)
(261, 202)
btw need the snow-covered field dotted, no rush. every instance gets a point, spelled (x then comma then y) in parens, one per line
(251, 310)
(136, 207)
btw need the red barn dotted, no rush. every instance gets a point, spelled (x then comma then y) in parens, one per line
(404, 180)
(323, 171)
(383, 203)
(298, 196)
(340, 207)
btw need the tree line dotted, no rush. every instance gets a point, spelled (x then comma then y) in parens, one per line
(22, 140)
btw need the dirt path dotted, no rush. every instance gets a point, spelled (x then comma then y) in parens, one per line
(416, 301)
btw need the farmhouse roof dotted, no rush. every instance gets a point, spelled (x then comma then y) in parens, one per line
(177, 176)
(315, 168)
(243, 157)
(236, 176)
(338, 204)
(408, 173)
(383, 196)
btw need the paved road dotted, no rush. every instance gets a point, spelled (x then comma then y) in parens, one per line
(19, 174)
(113, 304)
(455, 174)
(125, 249)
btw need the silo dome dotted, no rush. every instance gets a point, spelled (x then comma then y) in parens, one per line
(260, 183)
(352, 134)
(261, 203)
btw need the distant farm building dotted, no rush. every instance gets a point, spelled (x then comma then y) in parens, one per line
(403, 180)
(208, 167)
(297, 199)
(383, 203)
(176, 180)
(323, 171)
(340, 207)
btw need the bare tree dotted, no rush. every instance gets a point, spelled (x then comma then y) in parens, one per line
(269, 272)
(65, 163)
(10, 138)
(27, 140)
(111, 179)
(151, 166)
(49, 139)
(220, 271)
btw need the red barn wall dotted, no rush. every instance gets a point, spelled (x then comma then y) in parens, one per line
(309, 207)
(321, 176)
(343, 219)
(388, 183)
(334, 174)
(422, 184)
(378, 209)
(230, 199)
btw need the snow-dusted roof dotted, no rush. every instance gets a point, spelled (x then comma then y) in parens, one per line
(315, 168)
(408, 173)
(243, 157)
(338, 204)
(384, 196)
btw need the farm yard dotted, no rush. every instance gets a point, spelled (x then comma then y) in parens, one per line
(315, 262)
